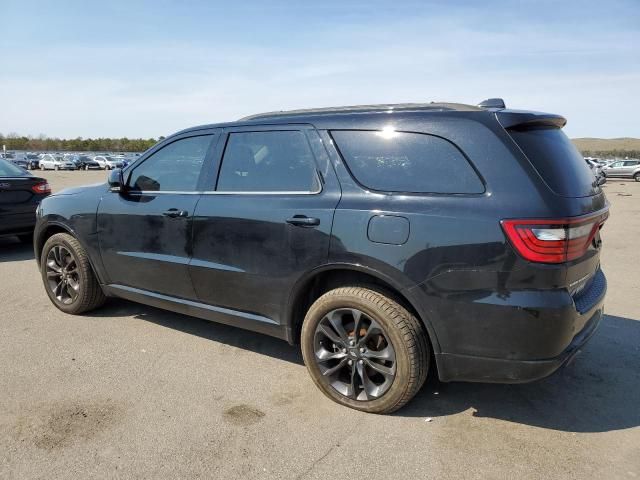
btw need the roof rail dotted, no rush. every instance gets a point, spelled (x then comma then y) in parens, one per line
(489, 103)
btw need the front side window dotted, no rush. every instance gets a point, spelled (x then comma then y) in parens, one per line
(174, 168)
(276, 161)
(406, 162)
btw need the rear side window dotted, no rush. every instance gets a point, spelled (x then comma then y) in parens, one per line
(557, 161)
(276, 161)
(406, 162)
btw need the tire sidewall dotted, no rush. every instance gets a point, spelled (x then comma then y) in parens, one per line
(399, 386)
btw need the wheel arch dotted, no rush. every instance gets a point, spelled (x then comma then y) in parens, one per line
(328, 277)
(53, 228)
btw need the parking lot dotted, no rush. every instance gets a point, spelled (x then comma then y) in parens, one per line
(133, 391)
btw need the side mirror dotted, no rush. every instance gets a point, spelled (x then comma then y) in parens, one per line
(116, 180)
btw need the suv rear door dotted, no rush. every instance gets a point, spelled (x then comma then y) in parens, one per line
(265, 221)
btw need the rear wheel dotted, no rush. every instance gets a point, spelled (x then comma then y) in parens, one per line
(636, 177)
(68, 277)
(364, 350)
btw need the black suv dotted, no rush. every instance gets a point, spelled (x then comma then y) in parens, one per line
(388, 240)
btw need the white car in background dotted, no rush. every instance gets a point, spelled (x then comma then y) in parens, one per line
(108, 162)
(50, 161)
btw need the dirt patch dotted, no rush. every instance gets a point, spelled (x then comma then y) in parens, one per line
(59, 425)
(243, 415)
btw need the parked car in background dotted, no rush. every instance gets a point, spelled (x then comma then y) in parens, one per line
(328, 227)
(108, 162)
(50, 161)
(83, 162)
(596, 168)
(20, 194)
(623, 169)
(20, 162)
(33, 160)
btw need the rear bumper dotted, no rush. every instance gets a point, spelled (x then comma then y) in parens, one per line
(529, 347)
(18, 223)
(452, 367)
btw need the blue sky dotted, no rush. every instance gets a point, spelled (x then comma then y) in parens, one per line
(145, 69)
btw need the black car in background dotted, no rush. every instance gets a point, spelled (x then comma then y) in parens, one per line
(33, 161)
(20, 194)
(389, 240)
(83, 162)
(20, 162)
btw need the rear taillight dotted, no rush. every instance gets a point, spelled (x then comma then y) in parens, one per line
(554, 241)
(41, 188)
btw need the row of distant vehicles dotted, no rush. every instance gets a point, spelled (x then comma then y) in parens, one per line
(68, 161)
(603, 169)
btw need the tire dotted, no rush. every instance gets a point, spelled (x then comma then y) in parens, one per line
(399, 328)
(636, 177)
(89, 294)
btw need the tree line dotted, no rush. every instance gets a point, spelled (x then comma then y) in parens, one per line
(79, 144)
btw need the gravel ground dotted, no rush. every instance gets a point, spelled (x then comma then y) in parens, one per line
(134, 392)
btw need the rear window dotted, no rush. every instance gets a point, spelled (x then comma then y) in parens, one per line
(406, 162)
(557, 160)
(9, 170)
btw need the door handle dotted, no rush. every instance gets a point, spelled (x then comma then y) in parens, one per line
(175, 213)
(303, 221)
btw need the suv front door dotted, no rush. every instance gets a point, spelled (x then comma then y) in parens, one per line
(266, 221)
(145, 230)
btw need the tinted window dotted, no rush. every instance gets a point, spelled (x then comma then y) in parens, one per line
(630, 164)
(406, 162)
(268, 162)
(557, 161)
(175, 167)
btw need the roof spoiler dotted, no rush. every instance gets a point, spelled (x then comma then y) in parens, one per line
(522, 120)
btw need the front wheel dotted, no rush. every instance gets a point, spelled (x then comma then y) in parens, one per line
(364, 350)
(68, 277)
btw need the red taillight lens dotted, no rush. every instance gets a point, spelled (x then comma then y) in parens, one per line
(43, 187)
(554, 241)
